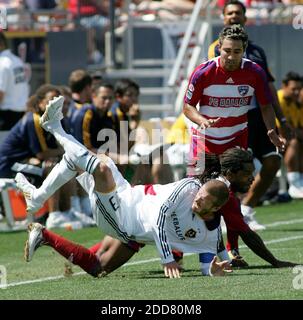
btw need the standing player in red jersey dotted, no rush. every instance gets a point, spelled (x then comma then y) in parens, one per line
(223, 89)
(219, 95)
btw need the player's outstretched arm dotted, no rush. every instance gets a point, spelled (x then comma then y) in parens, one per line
(172, 270)
(256, 244)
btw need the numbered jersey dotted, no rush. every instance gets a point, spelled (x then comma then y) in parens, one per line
(159, 214)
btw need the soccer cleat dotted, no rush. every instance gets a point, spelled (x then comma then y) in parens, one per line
(35, 240)
(28, 190)
(249, 218)
(237, 261)
(53, 113)
(295, 192)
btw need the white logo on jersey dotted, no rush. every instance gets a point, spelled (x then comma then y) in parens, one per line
(191, 87)
(229, 80)
(191, 233)
(243, 90)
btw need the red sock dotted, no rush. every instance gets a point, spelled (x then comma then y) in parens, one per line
(178, 255)
(232, 240)
(75, 253)
(95, 247)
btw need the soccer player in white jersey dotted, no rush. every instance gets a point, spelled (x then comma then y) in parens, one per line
(172, 216)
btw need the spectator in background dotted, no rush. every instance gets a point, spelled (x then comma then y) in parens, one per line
(89, 120)
(293, 158)
(125, 114)
(97, 79)
(80, 83)
(28, 148)
(26, 139)
(166, 9)
(11, 4)
(92, 15)
(14, 88)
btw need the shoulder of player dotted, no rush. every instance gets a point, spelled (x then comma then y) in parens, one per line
(205, 67)
(188, 183)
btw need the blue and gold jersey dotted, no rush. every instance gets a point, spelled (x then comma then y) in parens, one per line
(117, 115)
(25, 140)
(86, 123)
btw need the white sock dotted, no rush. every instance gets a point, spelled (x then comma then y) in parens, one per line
(246, 210)
(294, 179)
(85, 206)
(59, 175)
(76, 152)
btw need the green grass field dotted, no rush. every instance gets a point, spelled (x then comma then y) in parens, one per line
(142, 277)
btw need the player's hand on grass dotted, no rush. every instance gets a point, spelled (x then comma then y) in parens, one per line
(172, 270)
(219, 269)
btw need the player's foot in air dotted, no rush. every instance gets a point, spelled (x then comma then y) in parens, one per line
(35, 240)
(52, 114)
(28, 191)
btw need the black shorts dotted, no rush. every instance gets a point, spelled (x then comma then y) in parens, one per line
(258, 140)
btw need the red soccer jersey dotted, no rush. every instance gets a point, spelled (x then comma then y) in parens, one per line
(228, 95)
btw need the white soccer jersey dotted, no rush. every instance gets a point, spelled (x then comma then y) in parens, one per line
(13, 82)
(158, 214)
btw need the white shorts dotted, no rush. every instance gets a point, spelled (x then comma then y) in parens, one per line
(114, 212)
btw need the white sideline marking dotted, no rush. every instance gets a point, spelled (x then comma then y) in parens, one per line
(280, 223)
(277, 223)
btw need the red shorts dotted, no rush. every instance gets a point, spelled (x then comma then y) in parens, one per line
(200, 144)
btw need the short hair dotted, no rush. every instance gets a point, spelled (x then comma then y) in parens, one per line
(3, 39)
(42, 91)
(218, 190)
(123, 85)
(234, 159)
(234, 2)
(78, 80)
(291, 76)
(104, 85)
(234, 32)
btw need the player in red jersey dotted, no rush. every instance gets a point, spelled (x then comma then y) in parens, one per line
(223, 89)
